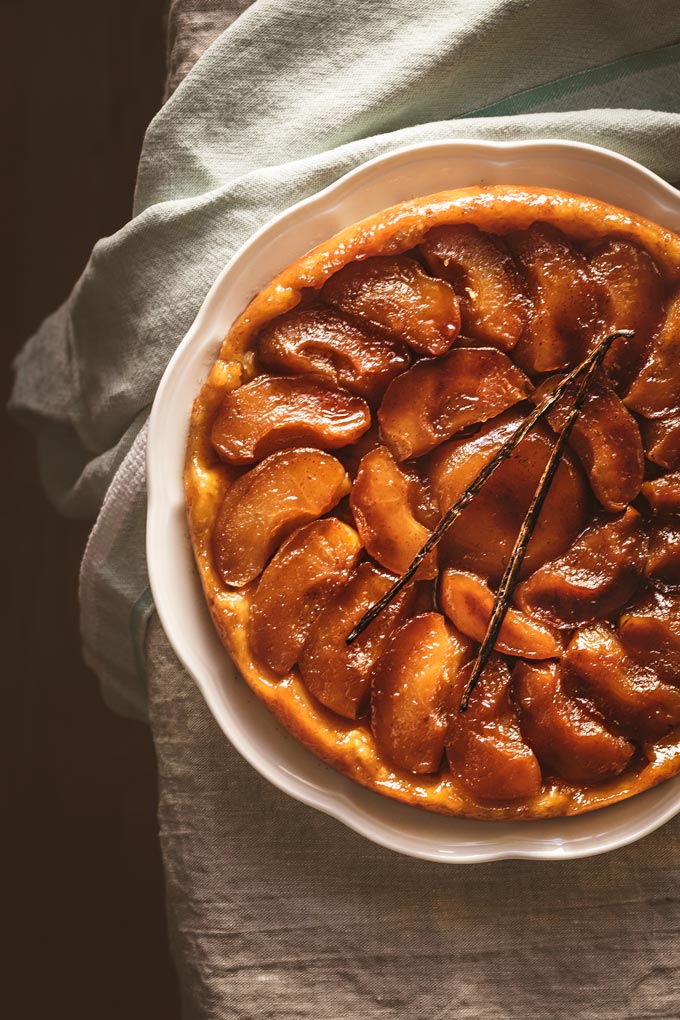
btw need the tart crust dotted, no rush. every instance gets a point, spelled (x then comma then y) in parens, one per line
(349, 746)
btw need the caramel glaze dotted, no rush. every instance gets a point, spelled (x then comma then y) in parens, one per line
(348, 744)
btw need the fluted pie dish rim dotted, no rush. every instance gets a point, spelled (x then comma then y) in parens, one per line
(317, 219)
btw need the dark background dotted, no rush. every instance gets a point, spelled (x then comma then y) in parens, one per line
(83, 915)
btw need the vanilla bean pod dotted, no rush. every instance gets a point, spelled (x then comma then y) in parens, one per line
(595, 357)
(514, 564)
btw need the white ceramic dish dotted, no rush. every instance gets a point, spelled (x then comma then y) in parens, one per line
(399, 175)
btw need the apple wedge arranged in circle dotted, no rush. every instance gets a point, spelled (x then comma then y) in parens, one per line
(278, 412)
(435, 399)
(395, 294)
(633, 299)
(607, 440)
(337, 675)
(313, 562)
(484, 745)
(286, 490)
(595, 577)
(479, 267)
(383, 501)
(663, 494)
(630, 695)
(661, 440)
(568, 740)
(411, 691)
(323, 344)
(663, 561)
(655, 392)
(562, 292)
(650, 634)
(468, 602)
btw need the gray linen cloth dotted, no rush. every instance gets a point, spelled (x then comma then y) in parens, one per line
(192, 26)
(275, 910)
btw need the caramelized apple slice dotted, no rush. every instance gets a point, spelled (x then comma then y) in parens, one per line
(382, 501)
(650, 633)
(267, 503)
(663, 494)
(320, 342)
(492, 305)
(663, 562)
(314, 561)
(434, 399)
(274, 413)
(661, 440)
(607, 440)
(352, 456)
(338, 675)
(411, 689)
(595, 577)
(395, 294)
(563, 295)
(484, 745)
(468, 601)
(631, 697)
(656, 391)
(568, 741)
(633, 291)
(481, 539)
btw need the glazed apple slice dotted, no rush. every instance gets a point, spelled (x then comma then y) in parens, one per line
(477, 265)
(663, 494)
(630, 696)
(663, 562)
(650, 634)
(277, 412)
(435, 399)
(661, 440)
(655, 392)
(633, 291)
(352, 456)
(312, 563)
(331, 347)
(596, 576)
(338, 675)
(607, 440)
(484, 745)
(267, 503)
(393, 293)
(468, 601)
(482, 537)
(568, 740)
(411, 689)
(563, 299)
(383, 500)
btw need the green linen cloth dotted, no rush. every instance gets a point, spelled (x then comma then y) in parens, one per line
(293, 95)
(275, 910)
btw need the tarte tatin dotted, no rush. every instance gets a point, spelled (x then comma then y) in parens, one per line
(354, 400)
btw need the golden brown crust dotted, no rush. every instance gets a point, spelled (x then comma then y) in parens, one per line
(346, 745)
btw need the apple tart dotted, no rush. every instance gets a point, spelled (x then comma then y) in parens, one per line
(353, 402)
